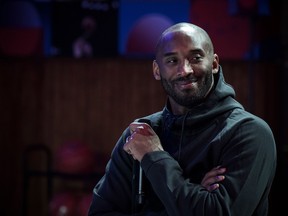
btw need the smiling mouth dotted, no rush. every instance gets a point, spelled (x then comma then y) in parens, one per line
(187, 83)
(184, 82)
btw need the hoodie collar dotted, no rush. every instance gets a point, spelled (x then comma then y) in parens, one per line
(220, 100)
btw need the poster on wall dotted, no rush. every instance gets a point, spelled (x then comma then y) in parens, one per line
(83, 29)
(102, 28)
(141, 22)
(231, 26)
(23, 28)
(230, 35)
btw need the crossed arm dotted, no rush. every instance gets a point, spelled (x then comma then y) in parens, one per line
(143, 140)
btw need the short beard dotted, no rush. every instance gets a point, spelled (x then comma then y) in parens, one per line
(187, 99)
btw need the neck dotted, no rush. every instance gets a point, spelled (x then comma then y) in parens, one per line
(177, 109)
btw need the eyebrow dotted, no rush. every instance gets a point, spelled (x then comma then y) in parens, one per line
(194, 51)
(169, 54)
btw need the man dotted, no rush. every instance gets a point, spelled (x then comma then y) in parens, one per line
(202, 135)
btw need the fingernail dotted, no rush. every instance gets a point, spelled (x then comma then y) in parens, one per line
(221, 177)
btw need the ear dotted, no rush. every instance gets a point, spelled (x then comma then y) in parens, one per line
(156, 71)
(215, 64)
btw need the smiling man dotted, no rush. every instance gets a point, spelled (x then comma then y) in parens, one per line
(186, 57)
(203, 154)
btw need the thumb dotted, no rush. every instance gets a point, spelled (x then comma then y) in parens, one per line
(141, 128)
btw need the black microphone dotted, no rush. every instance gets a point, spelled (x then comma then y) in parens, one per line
(138, 179)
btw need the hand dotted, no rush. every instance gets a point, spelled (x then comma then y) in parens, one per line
(211, 179)
(143, 139)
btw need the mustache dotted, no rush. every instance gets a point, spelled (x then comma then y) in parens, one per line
(185, 79)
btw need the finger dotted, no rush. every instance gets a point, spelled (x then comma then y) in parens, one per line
(213, 187)
(127, 145)
(221, 170)
(217, 167)
(128, 149)
(219, 178)
(128, 138)
(211, 180)
(218, 170)
(214, 172)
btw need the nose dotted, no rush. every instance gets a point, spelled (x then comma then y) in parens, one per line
(185, 68)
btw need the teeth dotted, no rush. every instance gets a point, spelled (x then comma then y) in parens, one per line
(186, 81)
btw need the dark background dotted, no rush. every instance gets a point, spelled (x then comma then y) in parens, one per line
(48, 97)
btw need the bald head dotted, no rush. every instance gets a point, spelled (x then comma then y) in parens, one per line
(196, 33)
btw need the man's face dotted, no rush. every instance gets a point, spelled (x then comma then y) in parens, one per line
(185, 68)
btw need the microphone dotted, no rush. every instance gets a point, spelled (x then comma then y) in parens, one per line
(137, 187)
(138, 179)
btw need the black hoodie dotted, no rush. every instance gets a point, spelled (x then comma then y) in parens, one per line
(217, 132)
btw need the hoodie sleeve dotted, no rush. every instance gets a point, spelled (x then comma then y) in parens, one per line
(249, 154)
(112, 195)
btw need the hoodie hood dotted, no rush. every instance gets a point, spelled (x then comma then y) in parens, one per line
(220, 100)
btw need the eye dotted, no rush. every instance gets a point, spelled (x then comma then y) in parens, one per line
(171, 60)
(196, 58)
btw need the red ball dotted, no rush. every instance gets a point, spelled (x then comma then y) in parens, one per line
(144, 34)
(74, 157)
(63, 204)
(21, 32)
